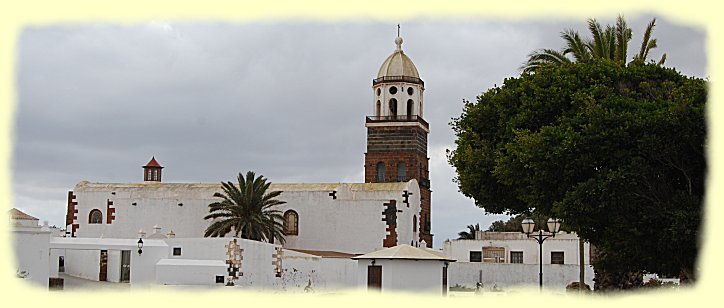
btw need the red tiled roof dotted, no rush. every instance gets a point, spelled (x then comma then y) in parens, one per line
(17, 214)
(153, 163)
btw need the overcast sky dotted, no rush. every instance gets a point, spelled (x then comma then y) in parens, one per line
(285, 99)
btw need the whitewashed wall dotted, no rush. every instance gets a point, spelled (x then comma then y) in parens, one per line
(514, 241)
(55, 261)
(82, 263)
(350, 223)
(114, 266)
(506, 276)
(405, 275)
(82, 257)
(31, 246)
(189, 272)
(298, 270)
(338, 274)
(256, 266)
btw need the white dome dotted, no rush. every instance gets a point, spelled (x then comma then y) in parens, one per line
(398, 64)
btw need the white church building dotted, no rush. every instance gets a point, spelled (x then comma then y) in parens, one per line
(325, 224)
(392, 207)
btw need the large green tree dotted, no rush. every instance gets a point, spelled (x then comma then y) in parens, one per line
(616, 151)
(247, 210)
(610, 43)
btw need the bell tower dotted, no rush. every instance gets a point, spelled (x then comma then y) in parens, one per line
(397, 132)
(152, 171)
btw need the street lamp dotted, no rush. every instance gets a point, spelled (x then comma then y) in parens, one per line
(140, 246)
(553, 226)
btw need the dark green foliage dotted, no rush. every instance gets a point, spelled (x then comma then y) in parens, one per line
(615, 151)
(470, 233)
(247, 210)
(609, 43)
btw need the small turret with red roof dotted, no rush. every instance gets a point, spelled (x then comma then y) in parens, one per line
(152, 171)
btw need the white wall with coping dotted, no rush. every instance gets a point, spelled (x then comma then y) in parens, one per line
(299, 270)
(516, 241)
(400, 275)
(324, 223)
(555, 276)
(82, 257)
(201, 260)
(338, 273)
(190, 272)
(256, 264)
(32, 250)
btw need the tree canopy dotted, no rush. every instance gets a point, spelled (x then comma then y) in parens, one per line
(247, 210)
(609, 43)
(615, 151)
(469, 234)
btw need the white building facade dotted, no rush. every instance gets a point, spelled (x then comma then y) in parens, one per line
(511, 259)
(350, 218)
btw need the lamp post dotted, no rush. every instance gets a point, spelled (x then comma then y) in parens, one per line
(553, 226)
(140, 246)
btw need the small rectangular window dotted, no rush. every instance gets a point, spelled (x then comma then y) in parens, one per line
(516, 257)
(557, 257)
(476, 256)
(493, 255)
(177, 251)
(219, 279)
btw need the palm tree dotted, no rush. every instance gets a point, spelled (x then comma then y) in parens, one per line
(610, 44)
(247, 210)
(465, 235)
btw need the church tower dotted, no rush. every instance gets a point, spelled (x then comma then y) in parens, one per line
(397, 132)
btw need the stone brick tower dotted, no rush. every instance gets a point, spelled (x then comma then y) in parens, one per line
(397, 133)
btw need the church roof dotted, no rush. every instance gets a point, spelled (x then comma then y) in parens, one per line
(18, 214)
(153, 163)
(406, 252)
(395, 186)
(398, 64)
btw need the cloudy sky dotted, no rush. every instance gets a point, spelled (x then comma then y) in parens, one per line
(285, 99)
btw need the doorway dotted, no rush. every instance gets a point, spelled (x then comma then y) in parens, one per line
(125, 265)
(103, 273)
(374, 277)
(61, 264)
(444, 281)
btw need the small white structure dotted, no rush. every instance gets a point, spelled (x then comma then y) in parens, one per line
(404, 268)
(507, 259)
(30, 242)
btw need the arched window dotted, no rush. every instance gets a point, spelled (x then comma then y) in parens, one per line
(410, 105)
(414, 223)
(401, 172)
(291, 223)
(377, 108)
(380, 172)
(393, 107)
(95, 217)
